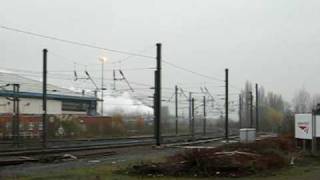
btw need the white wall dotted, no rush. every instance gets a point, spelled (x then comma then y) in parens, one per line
(303, 126)
(317, 124)
(31, 106)
(74, 112)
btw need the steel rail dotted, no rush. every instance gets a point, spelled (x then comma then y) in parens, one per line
(61, 149)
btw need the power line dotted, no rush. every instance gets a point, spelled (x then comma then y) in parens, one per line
(92, 64)
(131, 54)
(109, 70)
(192, 72)
(60, 76)
(235, 87)
(73, 42)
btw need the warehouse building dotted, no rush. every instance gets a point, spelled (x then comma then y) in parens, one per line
(59, 100)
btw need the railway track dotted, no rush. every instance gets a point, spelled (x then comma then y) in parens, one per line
(64, 143)
(169, 140)
(53, 154)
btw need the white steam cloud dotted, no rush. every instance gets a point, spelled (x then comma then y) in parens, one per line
(124, 104)
(5, 71)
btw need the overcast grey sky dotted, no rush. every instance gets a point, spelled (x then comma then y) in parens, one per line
(275, 43)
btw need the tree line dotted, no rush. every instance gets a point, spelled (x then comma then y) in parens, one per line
(274, 113)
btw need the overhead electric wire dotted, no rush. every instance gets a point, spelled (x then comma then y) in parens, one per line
(73, 42)
(131, 54)
(169, 90)
(72, 60)
(62, 77)
(192, 72)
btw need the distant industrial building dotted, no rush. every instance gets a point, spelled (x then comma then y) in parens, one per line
(60, 100)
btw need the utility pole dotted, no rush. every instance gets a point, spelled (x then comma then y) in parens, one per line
(17, 117)
(158, 96)
(114, 80)
(204, 116)
(44, 100)
(190, 112)
(314, 139)
(257, 108)
(315, 113)
(15, 131)
(227, 106)
(154, 105)
(14, 117)
(240, 111)
(103, 60)
(176, 108)
(251, 109)
(192, 120)
(102, 85)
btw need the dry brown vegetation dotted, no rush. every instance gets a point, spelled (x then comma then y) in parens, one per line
(231, 160)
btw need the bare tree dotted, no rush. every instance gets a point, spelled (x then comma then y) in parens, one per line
(274, 112)
(246, 103)
(302, 101)
(315, 100)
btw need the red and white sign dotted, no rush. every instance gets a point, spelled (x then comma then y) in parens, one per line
(303, 126)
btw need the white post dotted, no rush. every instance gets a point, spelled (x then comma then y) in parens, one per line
(314, 139)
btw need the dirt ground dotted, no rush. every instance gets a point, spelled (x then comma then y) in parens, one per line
(107, 167)
(122, 158)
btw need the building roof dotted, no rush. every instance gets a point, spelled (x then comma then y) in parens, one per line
(33, 89)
